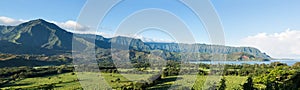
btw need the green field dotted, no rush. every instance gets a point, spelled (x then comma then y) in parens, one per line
(232, 82)
(65, 81)
(90, 80)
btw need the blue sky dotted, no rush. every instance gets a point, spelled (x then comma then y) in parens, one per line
(58, 10)
(243, 20)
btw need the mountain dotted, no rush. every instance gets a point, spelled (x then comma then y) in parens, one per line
(203, 48)
(35, 36)
(41, 37)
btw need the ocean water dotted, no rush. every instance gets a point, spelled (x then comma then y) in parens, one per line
(288, 62)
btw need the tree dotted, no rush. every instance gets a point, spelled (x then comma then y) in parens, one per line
(279, 78)
(139, 85)
(118, 80)
(249, 84)
(296, 65)
(222, 84)
(268, 85)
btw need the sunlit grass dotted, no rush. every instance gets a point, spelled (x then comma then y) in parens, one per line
(232, 82)
(92, 80)
(65, 81)
(86, 80)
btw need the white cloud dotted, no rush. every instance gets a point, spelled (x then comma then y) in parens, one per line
(149, 39)
(75, 27)
(279, 45)
(145, 39)
(68, 25)
(10, 21)
(71, 25)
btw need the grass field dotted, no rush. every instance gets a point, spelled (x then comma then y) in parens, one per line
(89, 80)
(68, 81)
(62, 81)
(202, 82)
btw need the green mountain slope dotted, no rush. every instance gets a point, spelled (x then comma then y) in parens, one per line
(41, 37)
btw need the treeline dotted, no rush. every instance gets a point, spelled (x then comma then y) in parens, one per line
(17, 73)
(248, 69)
(10, 60)
(174, 68)
(142, 84)
(274, 76)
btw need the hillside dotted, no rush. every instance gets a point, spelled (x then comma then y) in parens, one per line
(39, 37)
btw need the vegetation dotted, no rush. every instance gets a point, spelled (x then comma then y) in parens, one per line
(275, 76)
(249, 84)
(222, 84)
(37, 55)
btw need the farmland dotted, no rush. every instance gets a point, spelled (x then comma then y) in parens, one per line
(234, 77)
(69, 81)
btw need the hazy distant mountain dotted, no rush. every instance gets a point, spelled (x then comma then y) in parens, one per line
(41, 37)
(203, 48)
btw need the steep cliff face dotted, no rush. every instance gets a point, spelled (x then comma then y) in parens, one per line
(41, 37)
(203, 48)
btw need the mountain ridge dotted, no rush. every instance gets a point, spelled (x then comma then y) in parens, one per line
(39, 36)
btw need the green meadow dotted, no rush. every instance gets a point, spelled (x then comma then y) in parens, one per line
(90, 80)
